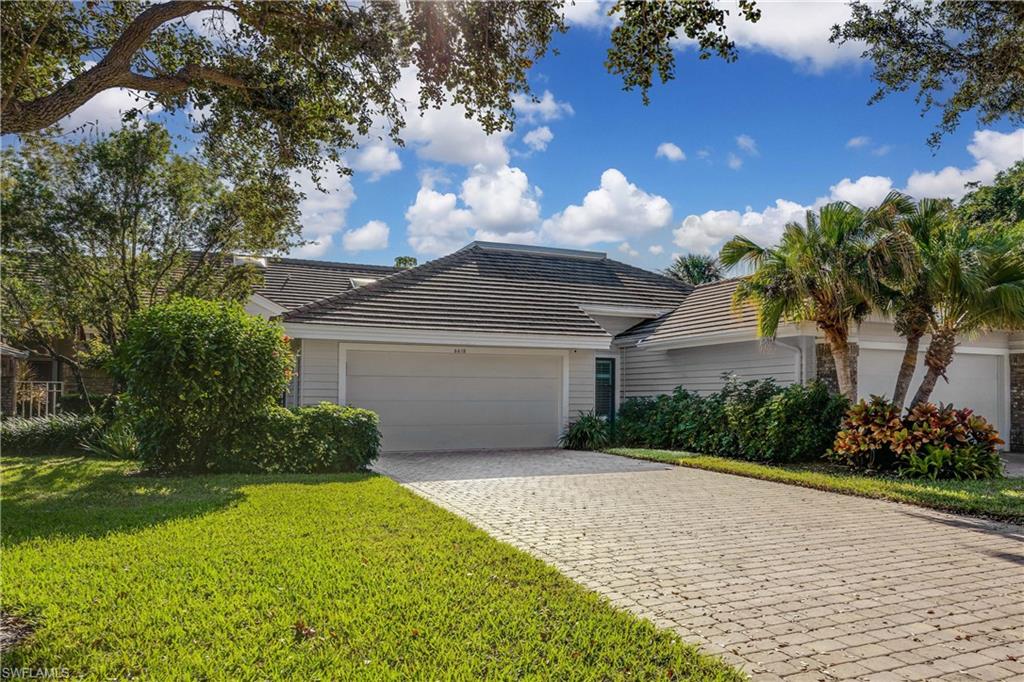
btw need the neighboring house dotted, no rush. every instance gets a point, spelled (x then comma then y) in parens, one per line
(499, 346)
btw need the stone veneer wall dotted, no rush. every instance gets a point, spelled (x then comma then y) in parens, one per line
(1016, 439)
(826, 367)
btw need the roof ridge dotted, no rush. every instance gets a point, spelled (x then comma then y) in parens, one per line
(372, 287)
(327, 263)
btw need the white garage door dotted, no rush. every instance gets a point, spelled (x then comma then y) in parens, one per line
(975, 380)
(458, 400)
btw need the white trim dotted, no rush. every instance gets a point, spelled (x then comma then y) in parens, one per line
(265, 304)
(342, 374)
(964, 350)
(563, 418)
(624, 310)
(799, 359)
(427, 336)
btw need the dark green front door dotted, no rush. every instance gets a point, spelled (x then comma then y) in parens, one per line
(604, 388)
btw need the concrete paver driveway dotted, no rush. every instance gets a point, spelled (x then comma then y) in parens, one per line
(783, 581)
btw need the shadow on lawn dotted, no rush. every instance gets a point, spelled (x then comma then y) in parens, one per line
(77, 497)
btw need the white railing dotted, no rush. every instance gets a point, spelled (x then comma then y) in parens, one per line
(37, 398)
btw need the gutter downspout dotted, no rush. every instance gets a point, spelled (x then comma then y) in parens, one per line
(799, 359)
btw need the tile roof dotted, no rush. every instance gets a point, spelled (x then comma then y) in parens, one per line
(498, 288)
(293, 282)
(706, 310)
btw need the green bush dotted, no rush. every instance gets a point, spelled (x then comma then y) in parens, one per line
(755, 420)
(196, 374)
(54, 435)
(117, 441)
(588, 432)
(930, 441)
(967, 462)
(318, 439)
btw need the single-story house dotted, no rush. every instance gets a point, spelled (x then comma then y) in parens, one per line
(500, 345)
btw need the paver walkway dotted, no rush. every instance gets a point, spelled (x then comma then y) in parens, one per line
(780, 580)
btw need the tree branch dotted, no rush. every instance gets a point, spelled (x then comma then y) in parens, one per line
(114, 70)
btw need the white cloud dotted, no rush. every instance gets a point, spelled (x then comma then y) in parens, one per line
(445, 134)
(865, 191)
(703, 153)
(617, 209)
(747, 144)
(436, 223)
(992, 151)
(797, 32)
(588, 13)
(881, 150)
(858, 142)
(546, 108)
(656, 250)
(670, 151)
(538, 138)
(704, 233)
(323, 213)
(376, 158)
(103, 112)
(628, 250)
(734, 161)
(492, 205)
(372, 235)
(502, 201)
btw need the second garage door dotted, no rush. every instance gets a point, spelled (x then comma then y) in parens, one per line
(976, 381)
(457, 400)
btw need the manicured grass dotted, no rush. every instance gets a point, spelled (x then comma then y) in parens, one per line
(1001, 499)
(294, 577)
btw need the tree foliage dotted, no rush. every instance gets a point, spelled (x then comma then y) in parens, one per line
(295, 82)
(959, 56)
(826, 271)
(96, 232)
(695, 268)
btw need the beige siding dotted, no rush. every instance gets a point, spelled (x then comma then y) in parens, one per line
(581, 382)
(319, 371)
(650, 372)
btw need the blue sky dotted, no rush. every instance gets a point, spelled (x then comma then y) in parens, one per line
(745, 147)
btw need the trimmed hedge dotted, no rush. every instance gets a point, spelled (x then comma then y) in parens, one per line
(54, 435)
(754, 420)
(319, 439)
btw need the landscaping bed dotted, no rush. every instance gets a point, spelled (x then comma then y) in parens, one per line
(1001, 499)
(293, 576)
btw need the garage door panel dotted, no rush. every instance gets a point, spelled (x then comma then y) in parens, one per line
(457, 401)
(975, 380)
(408, 364)
(455, 413)
(469, 437)
(458, 388)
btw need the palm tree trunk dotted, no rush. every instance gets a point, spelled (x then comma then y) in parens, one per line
(937, 359)
(907, 367)
(840, 348)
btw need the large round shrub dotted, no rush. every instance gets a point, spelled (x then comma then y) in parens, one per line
(197, 374)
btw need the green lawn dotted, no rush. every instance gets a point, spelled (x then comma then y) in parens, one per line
(1001, 499)
(297, 577)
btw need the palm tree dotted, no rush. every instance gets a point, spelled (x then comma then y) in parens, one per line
(825, 271)
(975, 279)
(694, 268)
(910, 305)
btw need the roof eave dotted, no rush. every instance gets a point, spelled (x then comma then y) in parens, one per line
(335, 332)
